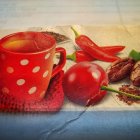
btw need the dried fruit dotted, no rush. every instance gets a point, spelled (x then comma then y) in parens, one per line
(120, 69)
(135, 74)
(129, 89)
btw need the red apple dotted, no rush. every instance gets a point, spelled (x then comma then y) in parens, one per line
(82, 82)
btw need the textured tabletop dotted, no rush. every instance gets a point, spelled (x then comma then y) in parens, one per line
(28, 13)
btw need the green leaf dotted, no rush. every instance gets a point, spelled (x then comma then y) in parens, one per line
(135, 55)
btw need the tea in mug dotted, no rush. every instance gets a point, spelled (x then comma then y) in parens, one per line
(25, 44)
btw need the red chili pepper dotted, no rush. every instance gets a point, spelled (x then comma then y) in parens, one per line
(80, 55)
(87, 45)
(113, 49)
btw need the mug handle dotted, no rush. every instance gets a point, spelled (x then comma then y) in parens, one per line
(62, 61)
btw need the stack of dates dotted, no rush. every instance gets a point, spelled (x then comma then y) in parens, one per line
(121, 69)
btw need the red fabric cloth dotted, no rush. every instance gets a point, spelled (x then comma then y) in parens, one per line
(52, 102)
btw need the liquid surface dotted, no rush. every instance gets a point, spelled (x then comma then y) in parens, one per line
(28, 45)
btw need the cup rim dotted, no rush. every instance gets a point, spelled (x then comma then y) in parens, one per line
(28, 53)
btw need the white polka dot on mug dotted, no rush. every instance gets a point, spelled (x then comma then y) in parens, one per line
(24, 62)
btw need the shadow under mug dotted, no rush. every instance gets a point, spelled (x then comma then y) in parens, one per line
(26, 64)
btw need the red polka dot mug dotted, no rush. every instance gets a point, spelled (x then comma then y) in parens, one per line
(26, 64)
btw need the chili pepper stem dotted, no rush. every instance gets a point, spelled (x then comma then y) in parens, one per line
(120, 92)
(71, 57)
(75, 32)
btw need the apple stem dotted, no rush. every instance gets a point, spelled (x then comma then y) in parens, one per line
(120, 92)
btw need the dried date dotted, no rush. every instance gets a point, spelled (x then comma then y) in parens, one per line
(135, 74)
(120, 69)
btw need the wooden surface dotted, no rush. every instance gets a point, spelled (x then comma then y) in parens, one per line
(29, 13)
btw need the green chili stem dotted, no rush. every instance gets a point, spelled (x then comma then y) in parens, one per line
(71, 57)
(75, 32)
(120, 92)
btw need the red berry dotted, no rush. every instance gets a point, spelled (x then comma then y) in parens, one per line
(82, 82)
